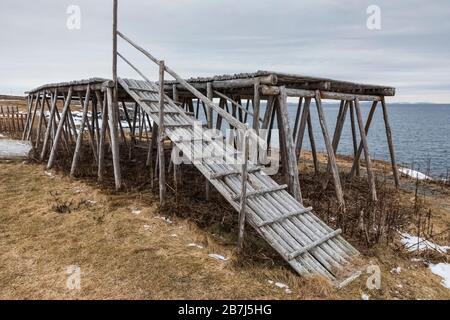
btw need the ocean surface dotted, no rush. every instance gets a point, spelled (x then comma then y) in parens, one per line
(421, 134)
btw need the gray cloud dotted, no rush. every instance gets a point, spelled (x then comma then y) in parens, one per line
(197, 38)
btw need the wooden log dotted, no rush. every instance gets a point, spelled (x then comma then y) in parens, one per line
(53, 152)
(390, 143)
(76, 154)
(370, 175)
(292, 168)
(161, 133)
(330, 151)
(114, 136)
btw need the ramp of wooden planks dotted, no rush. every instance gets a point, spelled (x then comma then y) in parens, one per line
(309, 245)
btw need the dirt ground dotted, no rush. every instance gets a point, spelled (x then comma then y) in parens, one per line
(127, 249)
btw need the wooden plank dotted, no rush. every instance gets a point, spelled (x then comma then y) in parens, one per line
(262, 191)
(114, 136)
(316, 243)
(284, 217)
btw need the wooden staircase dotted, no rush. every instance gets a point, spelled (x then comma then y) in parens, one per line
(295, 232)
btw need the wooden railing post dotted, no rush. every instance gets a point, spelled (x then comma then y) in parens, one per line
(243, 204)
(162, 171)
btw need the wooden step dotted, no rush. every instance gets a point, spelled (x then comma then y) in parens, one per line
(261, 192)
(221, 175)
(148, 100)
(311, 246)
(143, 89)
(284, 217)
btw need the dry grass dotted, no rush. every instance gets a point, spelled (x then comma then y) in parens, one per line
(49, 223)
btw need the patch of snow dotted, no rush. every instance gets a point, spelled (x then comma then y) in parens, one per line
(399, 286)
(194, 245)
(270, 281)
(174, 235)
(413, 243)
(146, 227)
(136, 211)
(49, 174)
(416, 260)
(91, 202)
(414, 174)
(442, 270)
(2, 136)
(281, 285)
(217, 257)
(167, 220)
(396, 270)
(365, 296)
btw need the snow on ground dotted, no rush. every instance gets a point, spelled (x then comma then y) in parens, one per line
(217, 257)
(442, 270)
(13, 149)
(413, 243)
(414, 174)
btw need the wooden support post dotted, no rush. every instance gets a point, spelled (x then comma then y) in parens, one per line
(356, 166)
(76, 154)
(243, 203)
(54, 150)
(330, 151)
(30, 110)
(299, 136)
(114, 136)
(50, 124)
(161, 133)
(359, 149)
(370, 175)
(292, 167)
(297, 117)
(256, 104)
(101, 143)
(209, 117)
(30, 127)
(390, 142)
(313, 144)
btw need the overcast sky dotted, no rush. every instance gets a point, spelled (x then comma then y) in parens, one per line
(327, 38)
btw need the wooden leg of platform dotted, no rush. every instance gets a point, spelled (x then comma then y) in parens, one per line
(301, 128)
(76, 154)
(50, 125)
(356, 166)
(313, 144)
(114, 136)
(390, 142)
(289, 154)
(330, 151)
(370, 175)
(101, 144)
(54, 150)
